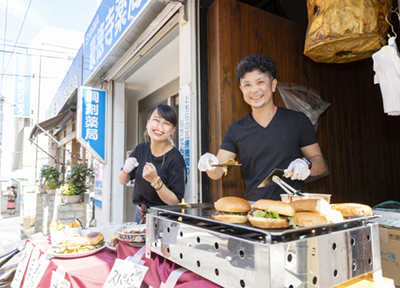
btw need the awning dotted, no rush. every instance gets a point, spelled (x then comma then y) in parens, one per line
(66, 115)
(66, 112)
(47, 124)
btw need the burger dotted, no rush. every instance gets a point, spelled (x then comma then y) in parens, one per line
(231, 210)
(95, 239)
(353, 209)
(78, 244)
(271, 214)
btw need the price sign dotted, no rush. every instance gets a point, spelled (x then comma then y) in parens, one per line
(37, 271)
(21, 268)
(125, 274)
(32, 265)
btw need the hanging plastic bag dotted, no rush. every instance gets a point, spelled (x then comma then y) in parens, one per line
(303, 99)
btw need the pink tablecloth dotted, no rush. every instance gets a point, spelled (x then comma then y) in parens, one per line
(160, 268)
(93, 270)
(89, 271)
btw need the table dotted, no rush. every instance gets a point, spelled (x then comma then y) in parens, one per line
(93, 270)
(160, 268)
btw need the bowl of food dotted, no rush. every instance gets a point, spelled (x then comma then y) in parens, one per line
(288, 198)
(132, 234)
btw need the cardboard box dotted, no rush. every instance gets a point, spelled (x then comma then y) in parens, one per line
(390, 252)
(366, 281)
(28, 222)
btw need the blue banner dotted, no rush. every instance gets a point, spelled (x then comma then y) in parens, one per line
(108, 25)
(22, 106)
(91, 120)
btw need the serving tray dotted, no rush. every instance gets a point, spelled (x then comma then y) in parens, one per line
(201, 212)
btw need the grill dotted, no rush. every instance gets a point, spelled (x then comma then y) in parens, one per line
(239, 255)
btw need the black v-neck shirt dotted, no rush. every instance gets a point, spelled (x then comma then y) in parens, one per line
(171, 169)
(263, 149)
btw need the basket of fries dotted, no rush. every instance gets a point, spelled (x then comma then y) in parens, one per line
(57, 231)
(74, 227)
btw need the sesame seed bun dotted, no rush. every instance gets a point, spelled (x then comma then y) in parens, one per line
(232, 204)
(94, 238)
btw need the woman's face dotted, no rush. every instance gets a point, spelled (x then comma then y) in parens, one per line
(158, 128)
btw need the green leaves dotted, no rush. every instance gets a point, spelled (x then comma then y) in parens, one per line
(78, 176)
(49, 174)
(68, 189)
(51, 185)
(266, 214)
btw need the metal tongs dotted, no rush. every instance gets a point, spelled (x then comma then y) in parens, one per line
(83, 227)
(286, 187)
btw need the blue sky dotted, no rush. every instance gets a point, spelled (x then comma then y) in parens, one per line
(73, 15)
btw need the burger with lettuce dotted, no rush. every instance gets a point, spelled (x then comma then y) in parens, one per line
(231, 210)
(271, 214)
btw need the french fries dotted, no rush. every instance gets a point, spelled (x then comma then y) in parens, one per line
(74, 224)
(56, 226)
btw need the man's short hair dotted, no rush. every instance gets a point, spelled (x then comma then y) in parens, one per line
(12, 187)
(254, 62)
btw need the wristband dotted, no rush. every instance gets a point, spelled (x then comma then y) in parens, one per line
(162, 184)
(308, 162)
(156, 183)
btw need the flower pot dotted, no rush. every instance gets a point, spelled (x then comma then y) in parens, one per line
(42, 190)
(51, 191)
(71, 198)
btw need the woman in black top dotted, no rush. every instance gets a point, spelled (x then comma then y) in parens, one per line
(157, 166)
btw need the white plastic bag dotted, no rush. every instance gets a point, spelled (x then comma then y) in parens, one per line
(303, 99)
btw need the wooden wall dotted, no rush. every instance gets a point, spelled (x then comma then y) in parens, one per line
(360, 143)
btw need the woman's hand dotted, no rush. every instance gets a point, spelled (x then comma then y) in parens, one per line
(150, 172)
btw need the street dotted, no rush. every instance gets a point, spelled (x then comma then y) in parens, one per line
(12, 234)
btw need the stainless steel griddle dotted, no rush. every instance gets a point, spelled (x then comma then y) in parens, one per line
(239, 255)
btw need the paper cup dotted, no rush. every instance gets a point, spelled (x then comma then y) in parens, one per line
(74, 230)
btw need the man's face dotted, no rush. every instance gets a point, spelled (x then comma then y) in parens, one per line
(257, 89)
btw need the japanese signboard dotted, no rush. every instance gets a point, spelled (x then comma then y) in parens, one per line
(112, 19)
(98, 184)
(22, 106)
(184, 124)
(91, 121)
(126, 273)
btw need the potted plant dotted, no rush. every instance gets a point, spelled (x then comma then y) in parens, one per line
(51, 187)
(68, 194)
(52, 180)
(48, 174)
(42, 179)
(76, 184)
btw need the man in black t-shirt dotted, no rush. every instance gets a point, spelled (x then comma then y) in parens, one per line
(270, 137)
